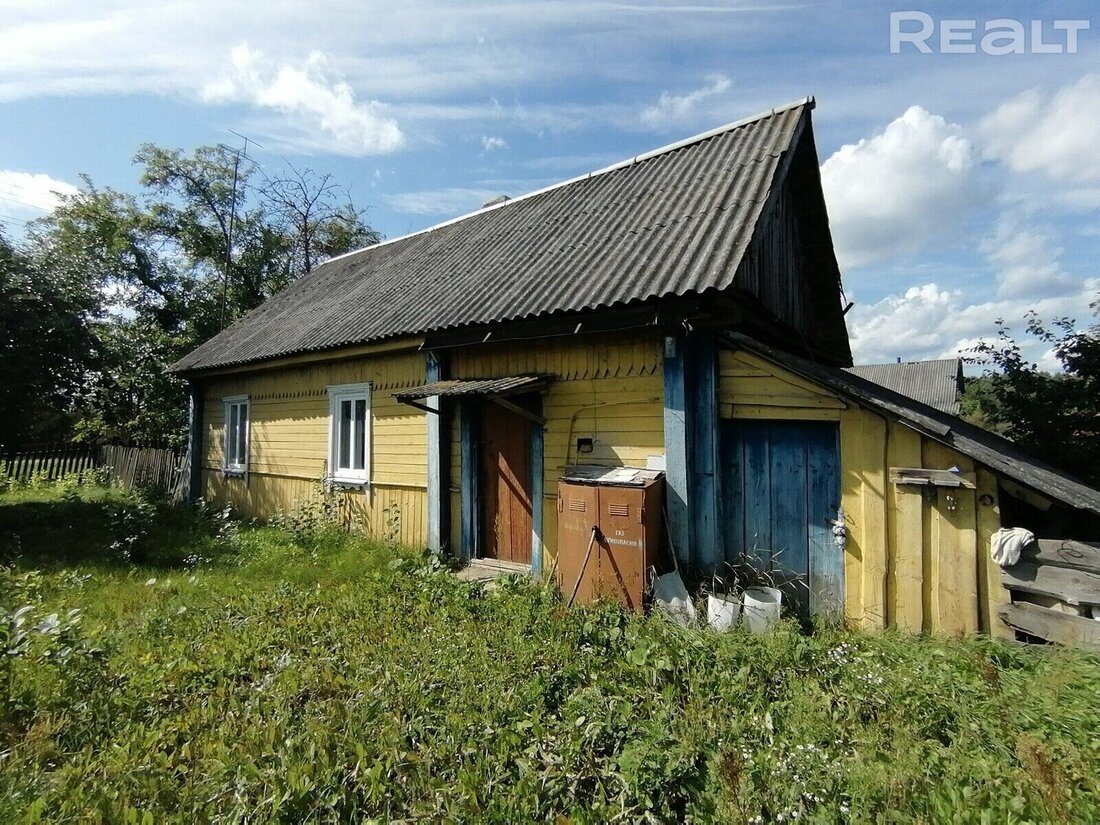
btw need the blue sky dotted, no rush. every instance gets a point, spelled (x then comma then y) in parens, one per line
(961, 187)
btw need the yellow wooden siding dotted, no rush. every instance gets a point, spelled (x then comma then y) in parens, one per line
(917, 557)
(288, 441)
(749, 387)
(606, 387)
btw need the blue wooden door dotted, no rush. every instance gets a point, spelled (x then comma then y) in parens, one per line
(781, 491)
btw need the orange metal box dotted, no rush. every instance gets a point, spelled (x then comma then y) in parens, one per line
(624, 505)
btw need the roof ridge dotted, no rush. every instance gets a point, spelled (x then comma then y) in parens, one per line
(906, 363)
(644, 156)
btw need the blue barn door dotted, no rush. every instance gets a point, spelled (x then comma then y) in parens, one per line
(781, 484)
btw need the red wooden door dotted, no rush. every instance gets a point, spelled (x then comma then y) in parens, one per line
(505, 457)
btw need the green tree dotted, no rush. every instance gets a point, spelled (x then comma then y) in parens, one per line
(146, 278)
(1054, 416)
(317, 214)
(47, 345)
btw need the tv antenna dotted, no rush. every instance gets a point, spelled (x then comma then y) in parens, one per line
(237, 155)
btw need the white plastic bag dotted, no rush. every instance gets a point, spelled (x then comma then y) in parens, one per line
(1005, 545)
(672, 599)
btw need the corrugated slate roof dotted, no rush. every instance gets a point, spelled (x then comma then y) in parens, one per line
(935, 383)
(673, 222)
(990, 449)
(475, 386)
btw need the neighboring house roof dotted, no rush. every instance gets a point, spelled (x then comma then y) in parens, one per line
(673, 222)
(987, 448)
(935, 383)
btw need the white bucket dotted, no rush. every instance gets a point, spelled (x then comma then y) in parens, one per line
(671, 597)
(761, 608)
(723, 611)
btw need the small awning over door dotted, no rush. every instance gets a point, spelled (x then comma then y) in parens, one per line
(487, 387)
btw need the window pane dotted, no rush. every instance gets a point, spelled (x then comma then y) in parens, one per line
(343, 439)
(360, 434)
(231, 442)
(242, 434)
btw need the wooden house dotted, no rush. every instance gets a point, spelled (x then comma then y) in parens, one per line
(682, 310)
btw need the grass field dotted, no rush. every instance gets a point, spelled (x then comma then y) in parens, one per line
(223, 672)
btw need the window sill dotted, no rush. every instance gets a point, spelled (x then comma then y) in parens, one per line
(358, 483)
(229, 472)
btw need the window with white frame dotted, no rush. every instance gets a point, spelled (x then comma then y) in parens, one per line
(236, 434)
(349, 433)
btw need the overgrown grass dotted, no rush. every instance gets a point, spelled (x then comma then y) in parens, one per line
(225, 673)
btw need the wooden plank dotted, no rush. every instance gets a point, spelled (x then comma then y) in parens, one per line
(677, 428)
(703, 443)
(991, 593)
(789, 517)
(1074, 587)
(873, 440)
(733, 493)
(1076, 555)
(1062, 628)
(538, 476)
(435, 451)
(1030, 496)
(965, 619)
(470, 516)
(826, 560)
(954, 580)
(761, 399)
(905, 559)
(758, 485)
(920, 476)
(851, 487)
(194, 441)
(782, 413)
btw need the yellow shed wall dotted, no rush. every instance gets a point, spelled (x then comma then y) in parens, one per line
(607, 387)
(917, 561)
(288, 441)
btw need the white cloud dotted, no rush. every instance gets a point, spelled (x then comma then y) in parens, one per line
(894, 192)
(449, 202)
(491, 142)
(420, 51)
(928, 321)
(24, 196)
(313, 101)
(1026, 260)
(671, 110)
(1055, 134)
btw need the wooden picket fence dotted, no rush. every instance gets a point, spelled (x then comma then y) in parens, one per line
(126, 466)
(129, 467)
(50, 461)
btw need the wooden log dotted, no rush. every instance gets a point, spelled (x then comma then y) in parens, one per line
(1074, 587)
(1076, 555)
(1062, 628)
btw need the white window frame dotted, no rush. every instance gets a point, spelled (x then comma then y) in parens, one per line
(336, 396)
(239, 467)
